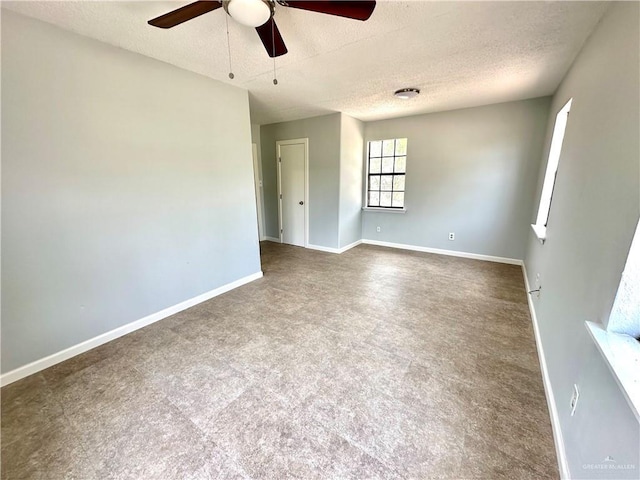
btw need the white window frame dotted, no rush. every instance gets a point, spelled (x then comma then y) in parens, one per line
(366, 206)
(544, 208)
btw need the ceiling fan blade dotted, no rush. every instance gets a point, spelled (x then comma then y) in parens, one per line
(356, 9)
(271, 38)
(185, 13)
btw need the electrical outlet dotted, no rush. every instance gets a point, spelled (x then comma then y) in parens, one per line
(378, 229)
(452, 236)
(574, 399)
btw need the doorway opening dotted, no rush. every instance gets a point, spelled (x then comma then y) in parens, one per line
(257, 184)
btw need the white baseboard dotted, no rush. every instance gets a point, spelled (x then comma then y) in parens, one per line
(322, 249)
(350, 246)
(334, 250)
(563, 464)
(271, 239)
(63, 355)
(453, 253)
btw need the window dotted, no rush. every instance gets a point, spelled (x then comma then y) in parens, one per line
(625, 314)
(540, 226)
(619, 341)
(386, 171)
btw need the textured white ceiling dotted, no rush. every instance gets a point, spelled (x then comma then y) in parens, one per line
(460, 54)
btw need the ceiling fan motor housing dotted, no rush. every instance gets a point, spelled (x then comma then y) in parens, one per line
(252, 13)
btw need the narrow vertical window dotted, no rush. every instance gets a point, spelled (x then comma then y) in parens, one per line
(544, 208)
(386, 172)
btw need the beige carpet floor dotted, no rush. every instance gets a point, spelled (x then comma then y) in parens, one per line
(376, 363)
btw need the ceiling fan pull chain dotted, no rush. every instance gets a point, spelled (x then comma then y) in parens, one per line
(226, 20)
(273, 43)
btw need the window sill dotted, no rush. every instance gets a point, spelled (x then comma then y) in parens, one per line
(386, 210)
(540, 231)
(622, 355)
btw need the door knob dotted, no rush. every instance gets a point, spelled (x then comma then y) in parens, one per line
(301, 202)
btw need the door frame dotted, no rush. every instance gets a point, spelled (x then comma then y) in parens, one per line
(294, 141)
(257, 180)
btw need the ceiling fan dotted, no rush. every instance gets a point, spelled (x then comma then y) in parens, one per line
(259, 14)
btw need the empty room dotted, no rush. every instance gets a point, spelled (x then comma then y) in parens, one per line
(269, 239)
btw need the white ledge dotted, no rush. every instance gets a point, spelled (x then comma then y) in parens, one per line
(540, 231)
(383, 209)
(622, 355)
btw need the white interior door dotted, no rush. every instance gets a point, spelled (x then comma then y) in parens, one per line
(292, 174)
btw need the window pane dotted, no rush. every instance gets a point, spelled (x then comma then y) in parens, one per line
(398, 199)
(552, 164)
(398, 182)
(401, 146)
(374, 165)
(388, 147)
(385, 182)
(375, 149)
(387, 165)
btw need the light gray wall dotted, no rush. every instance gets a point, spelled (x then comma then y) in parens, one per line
(351, 187)
(595, 208)
(126, 188)
(472, 172)
(324, 174)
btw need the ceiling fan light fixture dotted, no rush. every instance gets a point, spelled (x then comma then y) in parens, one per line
(407, 93)
(251, 13)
